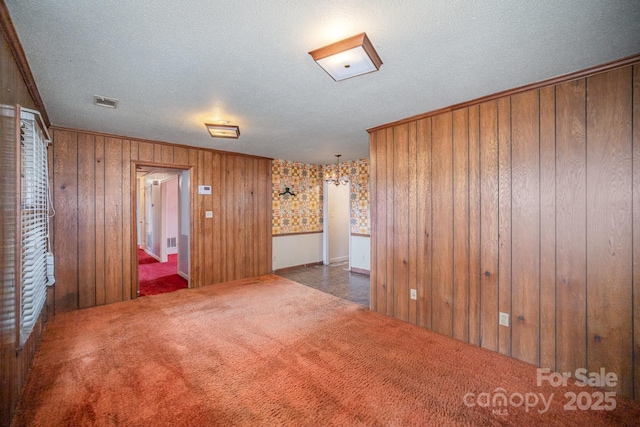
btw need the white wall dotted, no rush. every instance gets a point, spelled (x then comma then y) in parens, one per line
(155, 221)
(338, 222)
(170, 202)
(297, 249)
(361, 252)
(185, 222)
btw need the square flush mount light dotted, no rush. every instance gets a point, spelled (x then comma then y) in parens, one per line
(223, 131)
(348, 58)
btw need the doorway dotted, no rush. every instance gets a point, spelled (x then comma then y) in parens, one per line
(337, 234)
(163, 228)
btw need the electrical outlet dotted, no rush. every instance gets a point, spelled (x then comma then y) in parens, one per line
(504, 319)
(208, 214)
(414, 294)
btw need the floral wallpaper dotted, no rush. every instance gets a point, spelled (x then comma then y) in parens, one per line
(303, 213)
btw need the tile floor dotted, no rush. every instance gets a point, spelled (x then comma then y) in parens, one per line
(333, 279)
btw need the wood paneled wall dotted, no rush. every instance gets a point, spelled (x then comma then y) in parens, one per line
(93, 181)
(526, 204)
(13, 365)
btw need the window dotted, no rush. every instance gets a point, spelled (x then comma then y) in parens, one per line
(36, 267)
(8, 223)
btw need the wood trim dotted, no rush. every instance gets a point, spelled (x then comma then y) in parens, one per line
(137, 163)
(153, 141)
(297, 234)
(311, 264)
(360, 235)
(360, 271)
(12, 38)
(591, 71)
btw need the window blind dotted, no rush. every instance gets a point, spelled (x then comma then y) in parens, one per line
(34, 223)
(8, 223)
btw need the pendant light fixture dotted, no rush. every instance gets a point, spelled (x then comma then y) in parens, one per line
(332, 174)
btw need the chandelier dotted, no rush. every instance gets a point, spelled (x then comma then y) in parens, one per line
(332, 174)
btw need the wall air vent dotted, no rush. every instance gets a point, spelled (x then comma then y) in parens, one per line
(103, 101)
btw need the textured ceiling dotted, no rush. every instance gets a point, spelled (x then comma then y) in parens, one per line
(177, 64)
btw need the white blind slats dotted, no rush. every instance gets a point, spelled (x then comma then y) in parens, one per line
(34, 223)
(9, 222)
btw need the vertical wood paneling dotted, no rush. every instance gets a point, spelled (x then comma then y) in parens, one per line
(196, 157)
(230, 196)
(167, 154)
(442, 205)
(461, 224)
(400, 224)
(215, 240)
(609, 220)
(134, 149)
(249, 212)
(265, 207)
(389, 225)
(100, 206)
(157, 153)
(489, 225)
(65, 222)
(381, 221)
(86, 221)
(504, 221)
(181, 156)
(126, 219)
(636, 229)
(548, 228)
(113, 220)
(525, 219)
(373, 197)
(133, 286)
(413, 222)
(224, 217)
(423, 268)
(474, 225)
(239, 198)
(145, 151)
(207, 247)
(571, 211)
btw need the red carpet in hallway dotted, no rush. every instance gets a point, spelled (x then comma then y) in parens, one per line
(158, 277)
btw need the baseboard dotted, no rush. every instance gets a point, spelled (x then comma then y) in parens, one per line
(311, 264)
(339, 259)
(183, 275)
(360, 271)
(152, 255)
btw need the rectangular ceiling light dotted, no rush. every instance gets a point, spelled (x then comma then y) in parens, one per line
(348, 58)
(223, 131)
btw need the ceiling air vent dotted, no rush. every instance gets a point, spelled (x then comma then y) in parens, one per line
(103, 101)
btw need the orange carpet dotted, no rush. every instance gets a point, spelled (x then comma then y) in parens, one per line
(269, 351)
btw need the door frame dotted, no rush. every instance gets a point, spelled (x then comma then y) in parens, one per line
(135, 284)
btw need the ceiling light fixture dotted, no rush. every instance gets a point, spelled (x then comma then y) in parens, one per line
(348, 58)
(223, 130)
(332, 174)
